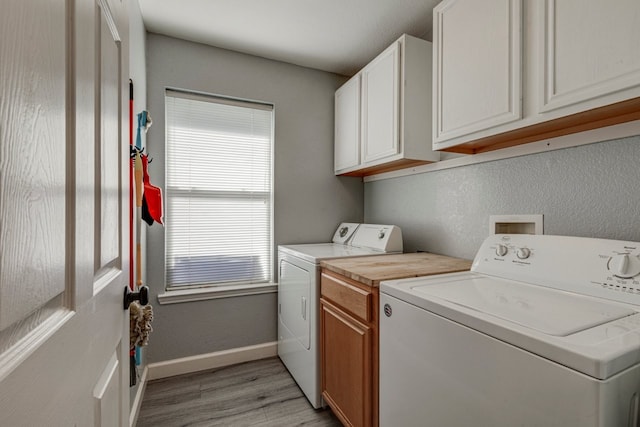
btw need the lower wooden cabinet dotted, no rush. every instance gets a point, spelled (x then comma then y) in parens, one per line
(349, 348)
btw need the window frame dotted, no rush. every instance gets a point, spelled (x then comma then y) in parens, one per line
(199, 291)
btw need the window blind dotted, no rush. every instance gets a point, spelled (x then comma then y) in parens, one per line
(218, 191)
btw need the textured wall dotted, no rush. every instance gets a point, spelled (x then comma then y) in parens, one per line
(310, 201)
(589, 191)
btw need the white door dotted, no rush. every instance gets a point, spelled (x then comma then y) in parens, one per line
(476, 66)
(63, 213)
(380, 105)
(347, 125)
(294, 300)
(590, 51)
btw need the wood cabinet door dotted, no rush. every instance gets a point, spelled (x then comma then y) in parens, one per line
(346, 366)
(591, 48)
(380, 106)
(476, 66)
(347, 125)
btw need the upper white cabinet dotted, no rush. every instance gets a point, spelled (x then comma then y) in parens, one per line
(347, 129)
(591, 50)
(477, 66)
(508, 72)
(380, 103)
(383, 114)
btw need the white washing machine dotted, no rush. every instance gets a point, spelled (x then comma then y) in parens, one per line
(299, 295)
(544, 331)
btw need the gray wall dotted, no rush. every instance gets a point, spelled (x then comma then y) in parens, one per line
(310, 201)
(589, 191)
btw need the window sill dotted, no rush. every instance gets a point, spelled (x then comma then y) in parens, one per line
(201, 294)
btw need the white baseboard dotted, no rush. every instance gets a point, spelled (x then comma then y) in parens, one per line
(218, 359)
(137, 401)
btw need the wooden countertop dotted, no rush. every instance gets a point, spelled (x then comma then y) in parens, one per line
(371, 270)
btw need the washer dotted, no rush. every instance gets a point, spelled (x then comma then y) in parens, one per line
(299, 295)
(543, 331)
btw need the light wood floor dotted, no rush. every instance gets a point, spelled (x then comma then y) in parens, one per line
(260, 393)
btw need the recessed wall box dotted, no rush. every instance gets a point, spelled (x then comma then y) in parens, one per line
(516, 224)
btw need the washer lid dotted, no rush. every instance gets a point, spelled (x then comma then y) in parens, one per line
(597, 337)
(546, 310)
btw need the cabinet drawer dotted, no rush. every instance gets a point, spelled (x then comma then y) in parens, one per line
(351, 298)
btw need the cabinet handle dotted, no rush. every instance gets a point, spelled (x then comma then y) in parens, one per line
(303, 306)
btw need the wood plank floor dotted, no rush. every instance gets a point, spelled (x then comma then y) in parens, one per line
(260, 393)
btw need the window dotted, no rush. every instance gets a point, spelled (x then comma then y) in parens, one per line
(218, 191)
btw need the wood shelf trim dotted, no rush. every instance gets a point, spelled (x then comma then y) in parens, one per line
(609, 115)
(387, 167)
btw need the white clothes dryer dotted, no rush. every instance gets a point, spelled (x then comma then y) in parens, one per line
(299, 295)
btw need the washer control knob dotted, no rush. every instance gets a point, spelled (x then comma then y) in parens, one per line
(624, 266)
(381, 233)
(523, 253)
(501, 250)
(344, 231)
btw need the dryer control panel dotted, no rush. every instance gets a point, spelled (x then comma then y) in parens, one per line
(345, 232)
(598, 267)
(378, 237)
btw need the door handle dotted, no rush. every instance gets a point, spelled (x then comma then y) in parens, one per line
(142, 295)
(303, 308)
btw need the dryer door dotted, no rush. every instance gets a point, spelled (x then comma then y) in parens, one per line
(294, 288)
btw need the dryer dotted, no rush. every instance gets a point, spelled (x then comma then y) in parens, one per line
(299, 295)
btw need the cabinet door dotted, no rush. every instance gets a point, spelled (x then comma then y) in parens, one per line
(347, 125)
(590, 48)
(380, 105)
(347, 366)
(476, 66)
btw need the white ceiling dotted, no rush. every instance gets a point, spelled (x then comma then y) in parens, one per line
(339, 36)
